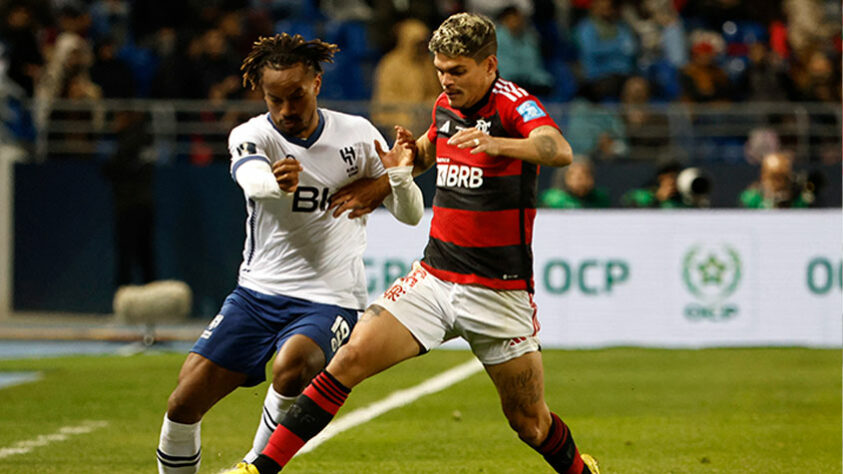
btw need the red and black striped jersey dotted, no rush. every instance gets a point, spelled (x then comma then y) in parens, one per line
(484, 206)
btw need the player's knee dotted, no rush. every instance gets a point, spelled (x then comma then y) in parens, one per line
(291, 377)
(528, 429)
(181, 410)
(526, 423)
(349, 364)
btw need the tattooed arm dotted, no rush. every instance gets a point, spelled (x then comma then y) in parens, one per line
(544, 146)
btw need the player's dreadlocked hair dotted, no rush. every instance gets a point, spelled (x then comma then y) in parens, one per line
(282, 51)
(465, 34)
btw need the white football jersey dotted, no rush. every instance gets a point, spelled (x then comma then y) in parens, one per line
(294, 246)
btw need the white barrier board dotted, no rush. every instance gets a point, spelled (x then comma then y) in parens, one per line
(666, 278)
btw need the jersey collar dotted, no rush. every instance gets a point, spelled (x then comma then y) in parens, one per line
(470, 111)
(305, 143)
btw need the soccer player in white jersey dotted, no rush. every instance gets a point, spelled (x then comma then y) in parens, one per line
(302, 279)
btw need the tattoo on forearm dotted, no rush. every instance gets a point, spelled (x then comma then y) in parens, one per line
(546, 147)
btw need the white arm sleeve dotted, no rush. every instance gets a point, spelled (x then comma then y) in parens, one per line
(405, 201)
(257, 180)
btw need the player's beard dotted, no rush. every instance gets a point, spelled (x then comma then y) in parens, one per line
(295, 125)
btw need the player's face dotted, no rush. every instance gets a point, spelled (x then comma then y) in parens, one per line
(464, 80)
(290, 96)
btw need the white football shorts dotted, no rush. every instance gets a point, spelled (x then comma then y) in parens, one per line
(499, 325)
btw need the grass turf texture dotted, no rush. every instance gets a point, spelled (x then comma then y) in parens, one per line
(636, 410)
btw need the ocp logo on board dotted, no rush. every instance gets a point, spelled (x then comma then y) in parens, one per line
(712, 274)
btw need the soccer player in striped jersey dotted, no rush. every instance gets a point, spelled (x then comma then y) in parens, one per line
(487, 140)
(302, 280)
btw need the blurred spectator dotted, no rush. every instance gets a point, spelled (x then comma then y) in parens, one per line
(69, 56)
(595, 130)
(170, 80)
(702, 79)
(231, 25)
(776, 187)
(16, 129)
(661, 193)
(573, 188)
(386, 14)
(765, 78)
(519, 55)
(814, 79)
(606, 47)
(131, 174)
(647, 130)
(347, 10)
(215, 66)
(111, 19)
(807, 26)
(18, 32)
(66, 76)
(760, 143)
(405, 79)
(491, 8)
(111, 73)
(660, 31)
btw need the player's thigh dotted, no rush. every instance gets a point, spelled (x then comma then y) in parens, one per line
(202, 383)
(377, 342)
(240, 338)
(421, 303)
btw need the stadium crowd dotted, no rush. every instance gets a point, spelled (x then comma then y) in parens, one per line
(614, 64)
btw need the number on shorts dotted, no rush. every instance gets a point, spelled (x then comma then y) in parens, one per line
(341, 331)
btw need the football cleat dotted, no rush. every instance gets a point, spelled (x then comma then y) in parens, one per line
(243, 468)
(588, 461)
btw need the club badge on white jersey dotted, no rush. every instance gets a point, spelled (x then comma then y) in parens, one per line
(294, 246)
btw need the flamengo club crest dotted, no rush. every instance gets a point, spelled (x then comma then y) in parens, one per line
(712, 274)
(483, 125)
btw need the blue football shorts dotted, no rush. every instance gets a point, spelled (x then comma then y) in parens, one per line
(252, 326)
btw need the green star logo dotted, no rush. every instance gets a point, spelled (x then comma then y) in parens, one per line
(711, 272)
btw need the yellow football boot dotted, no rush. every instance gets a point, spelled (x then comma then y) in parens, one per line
(243, 468)
(586, 459)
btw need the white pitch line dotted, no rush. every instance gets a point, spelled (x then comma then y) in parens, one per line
(394, 400)
(23, 447)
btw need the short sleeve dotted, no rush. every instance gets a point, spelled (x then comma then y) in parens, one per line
(527, 114)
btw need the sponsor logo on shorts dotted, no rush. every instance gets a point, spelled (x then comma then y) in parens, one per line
(206, 334)
(401, 285)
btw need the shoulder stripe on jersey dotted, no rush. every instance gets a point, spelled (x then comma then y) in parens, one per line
(484, 262)
(509, 90)
(239, 162)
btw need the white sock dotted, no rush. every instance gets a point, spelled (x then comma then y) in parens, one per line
(275, 406)
(179, 448)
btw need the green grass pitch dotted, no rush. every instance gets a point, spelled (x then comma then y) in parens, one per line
(636, 410)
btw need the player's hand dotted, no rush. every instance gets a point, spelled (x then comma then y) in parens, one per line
(360, 197)
(478, 141)
(405, 137)
(401, 154)
(286, 173)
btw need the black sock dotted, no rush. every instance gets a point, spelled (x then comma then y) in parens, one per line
(266, 465)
